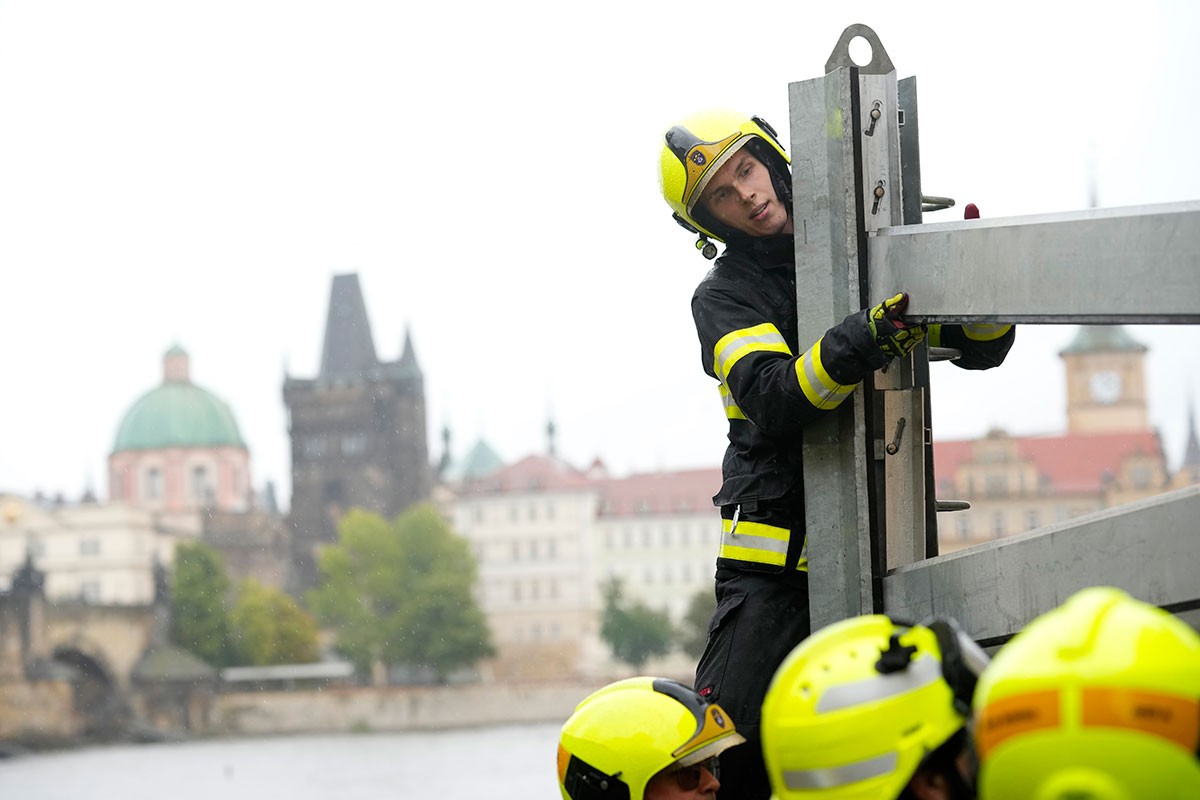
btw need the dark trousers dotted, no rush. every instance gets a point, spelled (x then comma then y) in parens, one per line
(760, 618)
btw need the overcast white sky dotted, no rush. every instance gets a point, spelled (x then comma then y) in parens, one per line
(196, 173)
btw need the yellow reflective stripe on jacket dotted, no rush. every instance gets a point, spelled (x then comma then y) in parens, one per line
(984, 332)
(757, 542)
(820, 389)
(731, 408)
(732, 346)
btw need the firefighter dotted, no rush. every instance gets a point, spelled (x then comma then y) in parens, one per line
(726, 178)
(1097, 699)
(643, 739)
(868, 708)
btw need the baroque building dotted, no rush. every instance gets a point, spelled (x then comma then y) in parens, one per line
(358, 436)
(1110, 454)
(178, 448)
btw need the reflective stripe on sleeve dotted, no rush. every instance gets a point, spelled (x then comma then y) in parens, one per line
(820, 389)
(732, 346)
(731, 408)
(984, 332)
(757, 543)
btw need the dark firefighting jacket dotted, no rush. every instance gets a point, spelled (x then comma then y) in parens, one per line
(771, 387)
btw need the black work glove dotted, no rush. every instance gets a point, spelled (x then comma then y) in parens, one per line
(893, 336)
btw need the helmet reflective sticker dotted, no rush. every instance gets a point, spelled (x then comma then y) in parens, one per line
(698, 158)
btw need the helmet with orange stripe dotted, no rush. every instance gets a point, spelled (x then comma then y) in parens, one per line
(862, 706)
(623, 735)
(1097, 699)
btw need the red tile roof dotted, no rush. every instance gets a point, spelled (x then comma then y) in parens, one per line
(660, 492)
(1071, 464)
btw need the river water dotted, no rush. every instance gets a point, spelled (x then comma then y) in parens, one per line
(513, 762)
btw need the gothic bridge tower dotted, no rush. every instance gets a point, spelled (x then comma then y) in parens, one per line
(357, 432)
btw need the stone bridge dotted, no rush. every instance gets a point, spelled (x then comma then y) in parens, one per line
(73, 664)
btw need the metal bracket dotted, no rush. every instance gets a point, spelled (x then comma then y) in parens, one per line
(880, 64)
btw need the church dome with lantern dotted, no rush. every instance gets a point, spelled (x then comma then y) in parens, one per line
(178, 447)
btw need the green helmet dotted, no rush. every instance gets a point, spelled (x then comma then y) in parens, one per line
(854, 709)
(622, 735)
(1098, 699)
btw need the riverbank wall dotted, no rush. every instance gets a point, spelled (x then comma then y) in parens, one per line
(387, 708)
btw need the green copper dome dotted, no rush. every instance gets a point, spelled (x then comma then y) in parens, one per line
(177, 414)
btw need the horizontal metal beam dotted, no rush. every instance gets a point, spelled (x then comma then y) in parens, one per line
(1132, 265)
(1149, 548)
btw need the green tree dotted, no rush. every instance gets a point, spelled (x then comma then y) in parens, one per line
(633, 630)
(266, 627)
(199, 616)
(692, 634)
(400, 593)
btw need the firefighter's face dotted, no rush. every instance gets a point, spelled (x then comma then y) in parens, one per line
(742, 196)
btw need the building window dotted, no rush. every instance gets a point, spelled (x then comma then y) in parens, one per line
(553, 590)
(608, 540)
(89, 547)
(666, 536)
(1032, 519)
(354, 444)
(516, 551)
(512, 513)
(89, 591)
(551, 549)
(628, 538)
(555, 631)
(646, 536)
(964, 526)
(998, 524)
(995, 483)
(200, 488)
(533, 511)
(314, 446)
(534, 590)
(549, 510)
(516, 591)
(154, 487)
(533, 550)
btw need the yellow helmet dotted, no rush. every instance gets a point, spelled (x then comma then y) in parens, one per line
(854, 709)
(1097, 699)
(695, 149)
(623, 734)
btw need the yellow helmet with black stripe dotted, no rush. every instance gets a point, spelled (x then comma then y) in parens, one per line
(622, 735)
(697, 147)
(1097, 699)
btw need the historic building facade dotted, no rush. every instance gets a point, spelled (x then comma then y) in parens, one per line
(1110, 454)
(358, 436)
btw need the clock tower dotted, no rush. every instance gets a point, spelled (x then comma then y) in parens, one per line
(1106, 387)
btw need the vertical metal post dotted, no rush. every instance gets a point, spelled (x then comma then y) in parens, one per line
(868, 456)
(828, 286)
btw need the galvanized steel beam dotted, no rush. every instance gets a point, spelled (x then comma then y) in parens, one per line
(1131, 265)
(1150, 548)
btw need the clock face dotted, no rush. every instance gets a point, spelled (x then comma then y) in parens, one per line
(1105, 387)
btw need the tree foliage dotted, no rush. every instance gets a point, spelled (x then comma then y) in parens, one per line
(634, 631)
(400, 593)
(267, 627)
(199, 617)
(692, 634)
